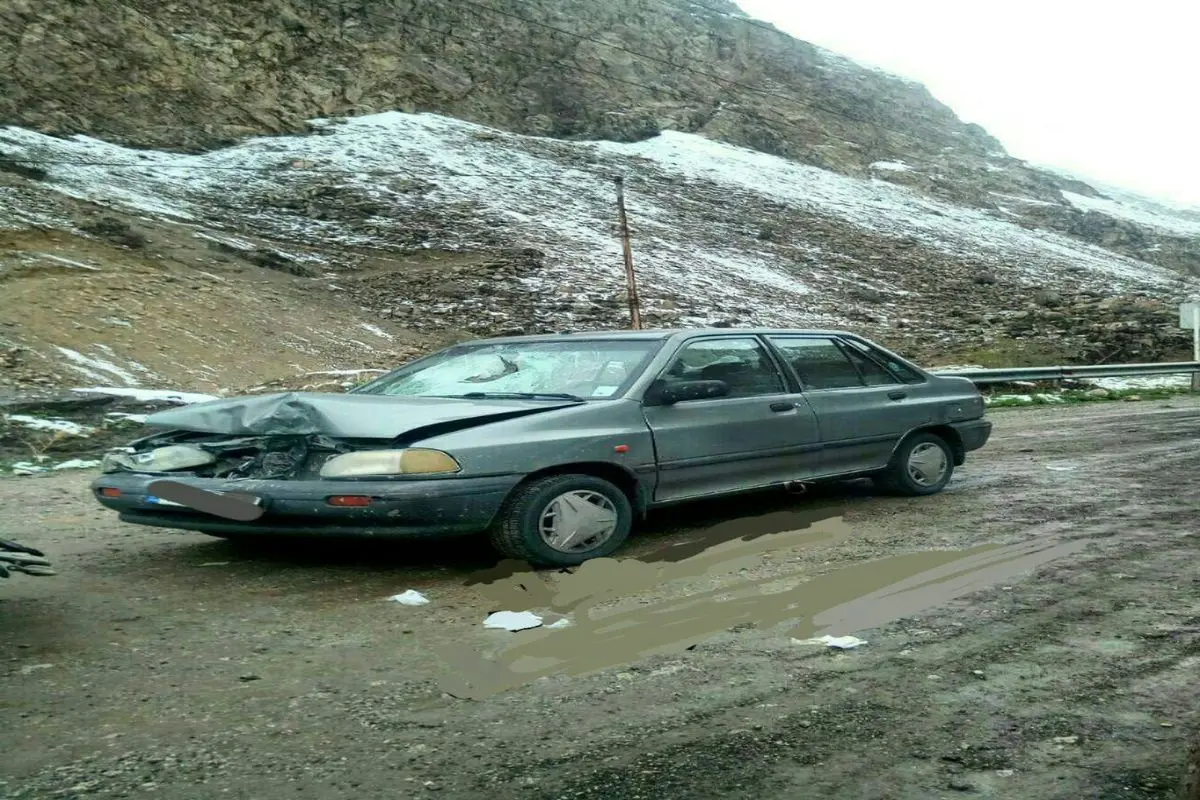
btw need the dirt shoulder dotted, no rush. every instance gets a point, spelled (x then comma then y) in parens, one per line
(176, 666)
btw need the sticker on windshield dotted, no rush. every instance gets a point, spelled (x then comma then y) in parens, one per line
(604, 391)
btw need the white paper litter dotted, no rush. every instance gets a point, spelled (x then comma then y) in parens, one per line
(840, 642)
(410, 598)
(512, 620)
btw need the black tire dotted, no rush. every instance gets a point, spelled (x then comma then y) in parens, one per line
(896, 478)
(516, 532)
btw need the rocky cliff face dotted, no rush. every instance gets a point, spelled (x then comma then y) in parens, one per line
(195, 76)
(853, 198)
(185, 75)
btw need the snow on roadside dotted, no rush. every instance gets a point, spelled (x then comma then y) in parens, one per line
(1154, 382)
(1027, 399)
(127, 417)
(557, 196)
(150, 395)
(64, 426)
(955, 368)
(349, 373)
(29, 468)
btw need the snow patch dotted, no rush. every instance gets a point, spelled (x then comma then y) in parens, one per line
(1173, 221)
(1016, 198)
(92, 366)
(150, 395)
(68, 262)
(375, 329)
(346, 372)
(30, 468)
(891, 166)
(125, 416)
(49, 424)
(557, 196)
(1155, 382)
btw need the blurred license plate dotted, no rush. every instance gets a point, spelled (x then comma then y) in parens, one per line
(162, 501)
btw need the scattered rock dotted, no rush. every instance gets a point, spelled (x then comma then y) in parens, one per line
(116, 231)
(273, 259)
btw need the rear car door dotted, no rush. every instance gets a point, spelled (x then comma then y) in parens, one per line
(763, 432)
(862, 408)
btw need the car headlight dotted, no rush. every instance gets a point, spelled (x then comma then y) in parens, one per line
(412, 461)
(160, 459)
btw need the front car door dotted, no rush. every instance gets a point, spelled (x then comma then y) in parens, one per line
(762, 433)
(864, 406)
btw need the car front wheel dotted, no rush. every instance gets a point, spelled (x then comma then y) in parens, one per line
(563, 520)
(922, 465)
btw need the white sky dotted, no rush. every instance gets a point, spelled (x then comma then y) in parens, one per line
(1107, 90)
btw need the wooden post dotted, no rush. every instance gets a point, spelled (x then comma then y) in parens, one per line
(635, 314)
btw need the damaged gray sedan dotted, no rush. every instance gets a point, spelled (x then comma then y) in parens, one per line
(553, 445)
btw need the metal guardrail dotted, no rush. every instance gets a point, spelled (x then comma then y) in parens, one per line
(988, 376)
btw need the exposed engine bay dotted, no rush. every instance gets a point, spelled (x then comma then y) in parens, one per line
(283, 457)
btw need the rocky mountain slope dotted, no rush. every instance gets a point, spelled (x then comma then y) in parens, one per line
(768, 182)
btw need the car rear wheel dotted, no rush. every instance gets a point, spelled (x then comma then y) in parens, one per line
(922, 465)
(563, 520)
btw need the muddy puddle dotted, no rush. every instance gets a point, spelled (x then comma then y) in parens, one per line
(613, 612)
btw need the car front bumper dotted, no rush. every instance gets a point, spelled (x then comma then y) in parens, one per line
(398, 508)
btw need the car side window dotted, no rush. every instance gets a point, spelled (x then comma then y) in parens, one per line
(819, 362)
(742, 363)
(873, 373)
(900, 372)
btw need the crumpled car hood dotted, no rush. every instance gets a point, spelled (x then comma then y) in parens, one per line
(349, 416)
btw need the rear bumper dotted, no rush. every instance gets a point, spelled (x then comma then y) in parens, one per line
(974, 434)
(398, 509)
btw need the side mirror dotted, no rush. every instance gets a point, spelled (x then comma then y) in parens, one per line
(692, 390)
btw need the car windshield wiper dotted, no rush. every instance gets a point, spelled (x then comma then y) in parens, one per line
(521, 396)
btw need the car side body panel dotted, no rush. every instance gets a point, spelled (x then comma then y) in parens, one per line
(660, 454)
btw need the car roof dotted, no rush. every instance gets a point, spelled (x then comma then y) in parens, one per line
(653, 334)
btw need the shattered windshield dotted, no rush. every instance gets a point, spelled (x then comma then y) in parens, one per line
(588, 370)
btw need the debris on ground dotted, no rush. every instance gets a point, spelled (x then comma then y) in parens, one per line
(838, 642)
(16, 557)
(410, 598)
(512, 621)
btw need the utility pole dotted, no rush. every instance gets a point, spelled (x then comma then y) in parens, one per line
(635, 314)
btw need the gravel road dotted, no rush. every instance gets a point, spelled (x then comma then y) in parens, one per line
(172, 665)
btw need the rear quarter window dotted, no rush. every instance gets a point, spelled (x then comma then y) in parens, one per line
(902, 372)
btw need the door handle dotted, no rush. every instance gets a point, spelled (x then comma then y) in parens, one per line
(782, 406)
(897, 395)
